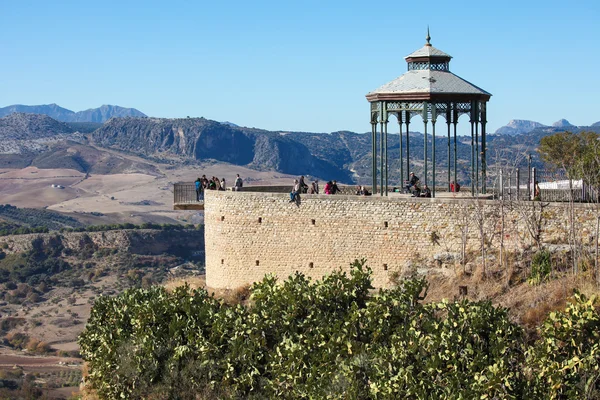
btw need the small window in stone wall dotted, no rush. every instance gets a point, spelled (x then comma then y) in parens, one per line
(385, 267)
(260, 220)
(385, 224)
(310, 265)
(313, 221)
(257, 263)
(222, 218)
(222, 261)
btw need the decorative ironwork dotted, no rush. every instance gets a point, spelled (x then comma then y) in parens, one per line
(424, 65)
(462, 108)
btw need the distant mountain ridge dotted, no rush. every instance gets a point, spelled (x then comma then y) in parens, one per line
(521, 126)
(100, 114)
(38, 140)
(563, 123)
(518, 127)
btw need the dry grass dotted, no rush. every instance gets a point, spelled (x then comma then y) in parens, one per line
(86, 392)
(194, 282)
(529, 305)
(236, 296)
(239, 295)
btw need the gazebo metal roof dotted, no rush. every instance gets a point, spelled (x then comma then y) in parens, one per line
(427, 51)
(425, 82)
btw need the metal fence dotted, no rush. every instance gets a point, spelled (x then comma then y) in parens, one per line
(185, 193)
(519, 184)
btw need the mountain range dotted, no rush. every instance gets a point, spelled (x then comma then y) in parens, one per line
(100, 114)
(30, 139)
(520, 126)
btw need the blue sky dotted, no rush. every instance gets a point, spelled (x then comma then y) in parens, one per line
(289, 65)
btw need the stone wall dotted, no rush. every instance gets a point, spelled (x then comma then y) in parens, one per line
(248, 235)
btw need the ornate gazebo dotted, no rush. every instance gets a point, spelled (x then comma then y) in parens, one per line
(430, 90)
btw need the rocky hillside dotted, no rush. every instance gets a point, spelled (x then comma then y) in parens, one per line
(134, 241)
(100, 114)
(198, 139)
(40, 141)
(30, 133)
(21, 126)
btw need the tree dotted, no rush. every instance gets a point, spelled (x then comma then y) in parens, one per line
(579, 156)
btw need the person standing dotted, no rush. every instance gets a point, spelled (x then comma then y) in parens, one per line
(238, 183)
(334, 187)
(223, 187)
(327, 188)
(198, 189)
(295, 191)
(303, 186)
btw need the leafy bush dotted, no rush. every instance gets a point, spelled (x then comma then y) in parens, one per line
(541, 266)
(331, 338)
(565, 362)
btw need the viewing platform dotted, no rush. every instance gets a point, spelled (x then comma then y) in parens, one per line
(184, 194)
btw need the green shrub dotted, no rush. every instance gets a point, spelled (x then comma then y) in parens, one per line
(541, 266)
(565, 362)
(331, 338)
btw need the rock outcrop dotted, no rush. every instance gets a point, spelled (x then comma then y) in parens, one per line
(518, 127)
(135, 241)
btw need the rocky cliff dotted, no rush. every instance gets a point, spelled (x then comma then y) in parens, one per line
(135, 241)
(196, 139)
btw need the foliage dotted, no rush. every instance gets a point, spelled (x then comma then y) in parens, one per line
(332, 338)
(541, 266)
(565, 362)
(562, 150)
(35, 265)
(33, 220)
(578, 154)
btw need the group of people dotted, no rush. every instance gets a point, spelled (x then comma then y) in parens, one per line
(300, 186)
(214, 183)
(415, 189)
(362, 191)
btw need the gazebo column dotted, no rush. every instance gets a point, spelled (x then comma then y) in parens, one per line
(433, 119)
(448, 114)
(385, 148)
(455, 121)
(472, 148)
(374, 152)
(477, 147)
(382, 122)
(399, 116)
(407, 120)
(483, 158)
(425, 120)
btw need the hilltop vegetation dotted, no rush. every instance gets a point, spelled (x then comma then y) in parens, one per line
(32, 220)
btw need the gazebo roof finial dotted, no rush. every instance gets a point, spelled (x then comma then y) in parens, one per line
(428, 38)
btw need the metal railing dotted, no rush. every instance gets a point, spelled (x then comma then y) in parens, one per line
(185, 193)
(552, 185)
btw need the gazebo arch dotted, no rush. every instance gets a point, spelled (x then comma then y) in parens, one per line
(430, 90)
